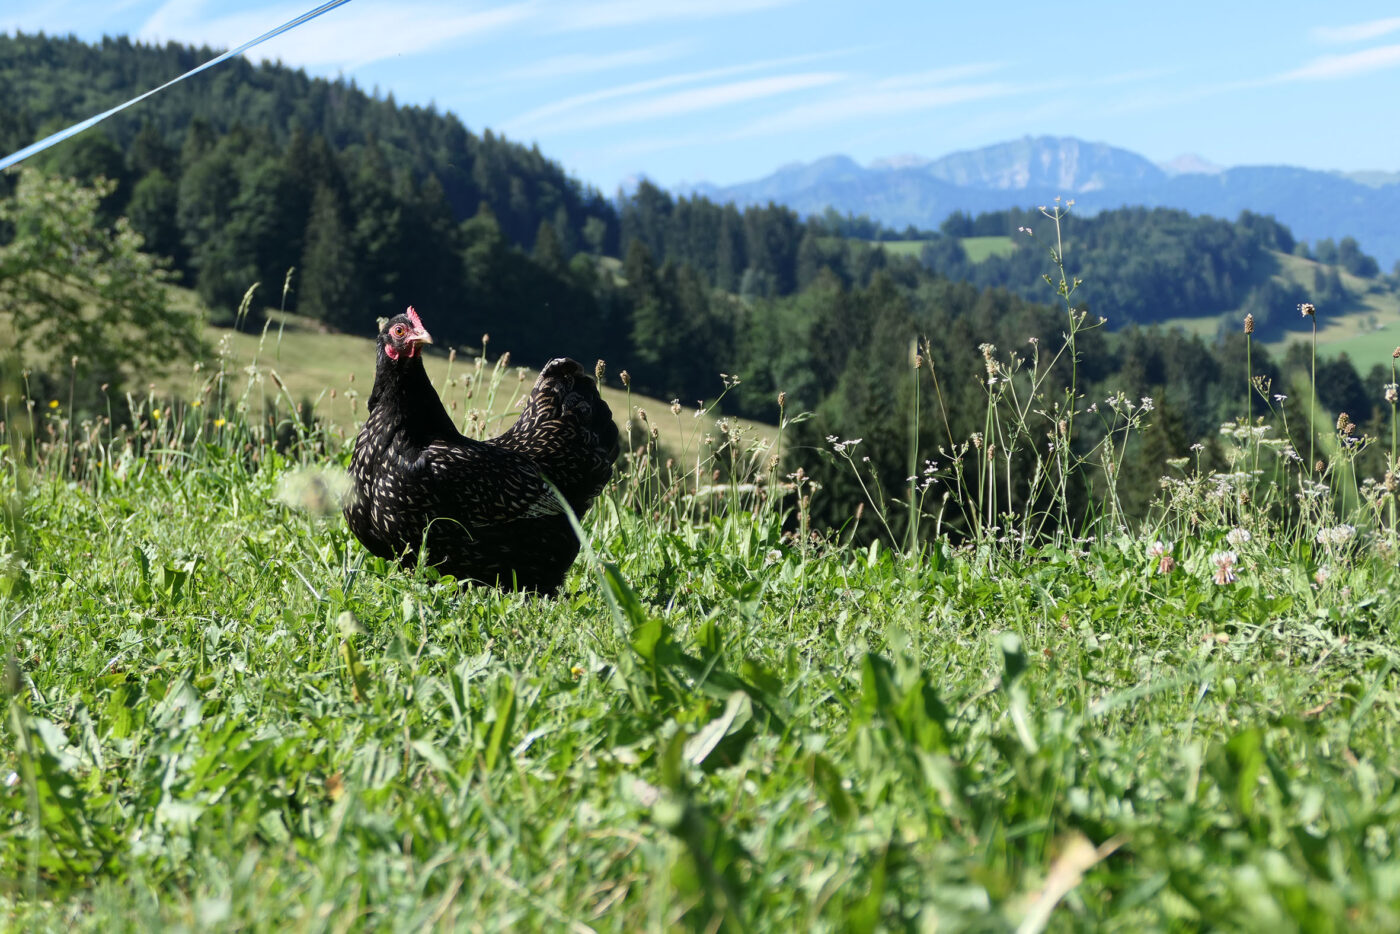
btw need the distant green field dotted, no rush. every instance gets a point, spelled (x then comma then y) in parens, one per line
(977, 248)
(1366, 328)
(903, 247)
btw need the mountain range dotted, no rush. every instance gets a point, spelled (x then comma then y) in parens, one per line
(911, 190)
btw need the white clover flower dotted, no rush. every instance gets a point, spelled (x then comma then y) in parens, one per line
(1225, 567)
(1237, 536)
(1337, 535)
(772, 557)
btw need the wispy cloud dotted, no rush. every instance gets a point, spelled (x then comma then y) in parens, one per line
(940, 75)
(611, 14)
(584, 63)
(1358, 32)
(351, 36)
(548, 113)
(696, 99)
(1344, 66)
(875, 101)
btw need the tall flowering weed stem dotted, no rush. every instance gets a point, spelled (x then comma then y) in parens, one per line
(876, 499)
(1392, 474)
(1028, 453)
(1309, 311)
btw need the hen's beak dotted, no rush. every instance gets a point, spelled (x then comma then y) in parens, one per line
(419, 336)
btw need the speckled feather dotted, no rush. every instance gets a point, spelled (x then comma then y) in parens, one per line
(481, 508)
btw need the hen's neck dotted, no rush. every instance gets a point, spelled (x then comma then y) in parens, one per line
(404, 387)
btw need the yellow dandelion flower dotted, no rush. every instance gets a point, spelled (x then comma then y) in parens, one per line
(155, 413)
(53, 403)
(218, 423)
(196, 403)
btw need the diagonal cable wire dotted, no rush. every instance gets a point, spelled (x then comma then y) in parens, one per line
(77, 128)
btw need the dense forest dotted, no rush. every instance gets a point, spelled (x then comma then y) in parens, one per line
(250, 171)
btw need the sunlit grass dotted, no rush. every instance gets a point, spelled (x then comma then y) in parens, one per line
(220, 712)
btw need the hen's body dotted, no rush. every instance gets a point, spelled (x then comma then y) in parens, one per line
(479, 509)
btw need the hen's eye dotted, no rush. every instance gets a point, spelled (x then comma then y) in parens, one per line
(397, 331)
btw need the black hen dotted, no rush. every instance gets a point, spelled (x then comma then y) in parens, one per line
(482, 509)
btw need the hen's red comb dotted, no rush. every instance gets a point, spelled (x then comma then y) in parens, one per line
(417, 321)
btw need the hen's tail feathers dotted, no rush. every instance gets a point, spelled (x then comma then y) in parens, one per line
(568, 431)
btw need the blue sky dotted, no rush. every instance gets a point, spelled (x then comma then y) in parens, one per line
(728, 90)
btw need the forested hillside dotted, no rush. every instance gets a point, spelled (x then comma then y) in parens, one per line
(248, 172)
(1148, 265)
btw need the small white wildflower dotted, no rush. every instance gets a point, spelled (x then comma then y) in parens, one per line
(1237, 536)
(1147, 405)
(773, 557)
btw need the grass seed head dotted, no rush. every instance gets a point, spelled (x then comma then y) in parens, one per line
(1249, 324)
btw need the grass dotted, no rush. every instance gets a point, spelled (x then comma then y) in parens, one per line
(977, 248)
(221, 713)
(980, 248)
(1366, 328)
(334, 372)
